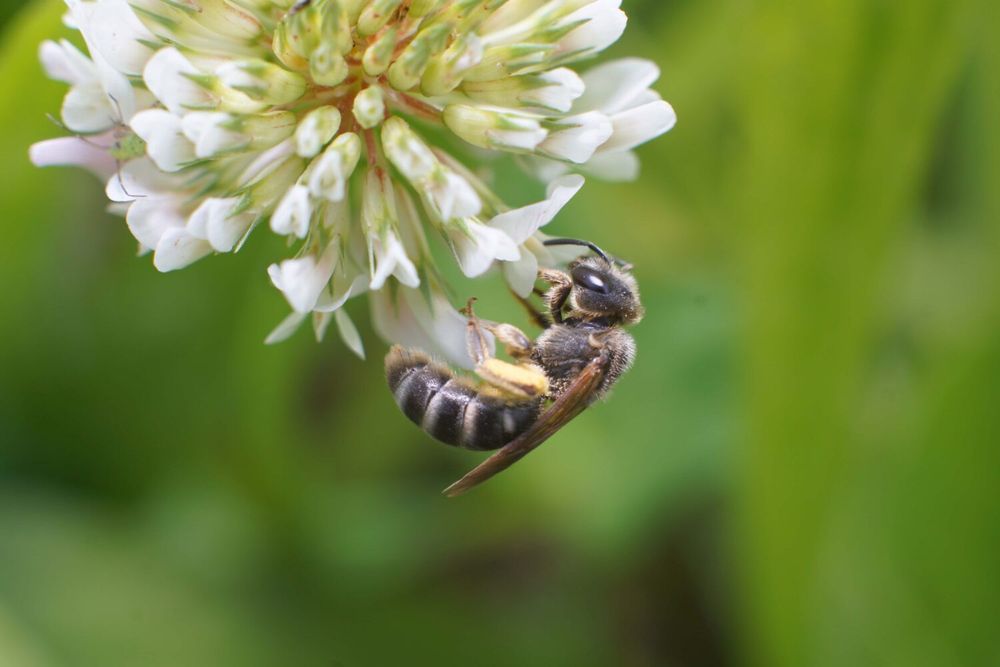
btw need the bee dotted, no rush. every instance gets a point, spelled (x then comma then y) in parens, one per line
(581, 352)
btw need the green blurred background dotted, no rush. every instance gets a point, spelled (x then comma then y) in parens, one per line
(802, 469)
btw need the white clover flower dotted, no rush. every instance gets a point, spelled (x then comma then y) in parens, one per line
(208, 117)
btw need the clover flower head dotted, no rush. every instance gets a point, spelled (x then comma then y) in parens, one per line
(209, 117)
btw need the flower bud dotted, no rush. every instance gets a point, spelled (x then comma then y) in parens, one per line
(499, 62)
(369, 107)
(386, 253)
(378, 55)
(405, 73)
(447, 194)
(424, 7)
(445, 71)
(406, 151)
(273, 182)
(335, 26)
(494, 129)
(294, 213)
(375, 15)
(316, 130)
(555, 90)
(326, 66)
(328, 175)
(262, 81)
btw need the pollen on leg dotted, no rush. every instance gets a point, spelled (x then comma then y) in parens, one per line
(517, 380)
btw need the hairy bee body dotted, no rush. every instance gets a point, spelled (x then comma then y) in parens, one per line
(457, 412)
(450, 408)
(581, 352)
(563, 350)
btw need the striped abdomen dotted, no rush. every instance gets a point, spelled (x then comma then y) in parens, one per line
(449, 408)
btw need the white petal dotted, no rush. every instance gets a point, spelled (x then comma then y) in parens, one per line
(86, 109)
(328, 178)
(293, 214)
(543, 168)
(411, 321)
(150, 218)
(166, 144)
(177, 249)
(167, 76)
(213, 221)
(349, 333)
(320, 323)
(454, 197)
(302, 280)
(445, 326)
(285, 328)
(450, 331)
(208, 131)
(525, 140)
(315, 130)
(394, 323)
(578, 142)
(618, 166)
(563, 87)
(117, 33)
(521, 275)
(520, 223)
(266, 162)
(407, 151)
(74, 151)
(612, 86)
(239, 226)
(138, 179)
(479, 245)
(343, 289)
(64, 62)
(391, 260)
(639, 125)
(225, 231)
(605, 24)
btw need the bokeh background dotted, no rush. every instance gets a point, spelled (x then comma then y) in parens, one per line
(803, 468)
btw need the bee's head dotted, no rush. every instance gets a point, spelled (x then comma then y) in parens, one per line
(603, 286)
(602, 289)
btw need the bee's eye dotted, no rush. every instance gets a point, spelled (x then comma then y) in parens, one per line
(590, 279)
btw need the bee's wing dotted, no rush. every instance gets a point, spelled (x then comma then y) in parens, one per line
(571, 403)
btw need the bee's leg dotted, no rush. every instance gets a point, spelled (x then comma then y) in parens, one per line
(518, 382)
(521, 381)
(479, 348)
(516, 342)
(555, 298)
(537, 317)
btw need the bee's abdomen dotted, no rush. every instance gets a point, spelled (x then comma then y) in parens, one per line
(449, 408)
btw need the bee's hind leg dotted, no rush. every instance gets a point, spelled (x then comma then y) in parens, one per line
(522, 381)
(479, 348)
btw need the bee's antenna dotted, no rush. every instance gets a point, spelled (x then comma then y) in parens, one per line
(597, 251)
(593, 247)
